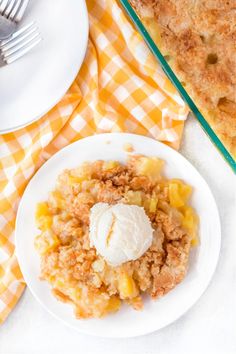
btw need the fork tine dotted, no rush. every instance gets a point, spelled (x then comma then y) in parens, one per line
(17, 34)
(15, 10)
(11, 49)
(29, 32)
(9, 7)
(3, 6)
(20, 43)
(21, 10)
(22, 51)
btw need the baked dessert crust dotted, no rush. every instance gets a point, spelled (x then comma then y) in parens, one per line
(198, 38)
(72, 266)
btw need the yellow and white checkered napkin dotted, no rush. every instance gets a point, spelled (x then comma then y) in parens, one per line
(120, 87)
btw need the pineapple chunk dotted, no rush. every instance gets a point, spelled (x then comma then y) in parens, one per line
(190, 222)
(75, 180)
(51, 279)
(185, 189)
(150, 167)
(189, 218)
(43, 217)
(113, 304)
(150, 204)
(46, 242)
(195, 241)
(153, 205)
(176, 200)
(41, 210)
(134, 198)
(44, 222)
(59, 283)
(126, 286)
(109, 165)
(178, 193)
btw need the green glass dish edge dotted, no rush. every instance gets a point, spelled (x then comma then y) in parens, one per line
(175, 81)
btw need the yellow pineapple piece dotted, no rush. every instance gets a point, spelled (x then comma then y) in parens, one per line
(153, 205)
(126, 286)
(45, 242)
(190, 222)
(41, 210)
(185, 189)
(150, 203)
(114, 304)
(175, 197)
(59, 283)
(189, 218)
(195, 242)
(179, 193)
(43, 217)
(150, 167)
(109, 165)
(51, 279)
(74, 293)
(134, 198)
(75, 180)
(44, 222)
(146, 204)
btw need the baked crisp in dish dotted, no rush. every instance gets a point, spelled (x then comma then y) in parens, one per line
(76, 272)
(198, 38)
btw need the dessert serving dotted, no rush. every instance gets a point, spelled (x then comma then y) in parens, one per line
(111, 232)
(198, 38)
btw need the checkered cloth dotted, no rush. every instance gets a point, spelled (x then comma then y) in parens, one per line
(120, 87)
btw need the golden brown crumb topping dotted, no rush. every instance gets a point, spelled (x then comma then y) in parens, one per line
(199, 40)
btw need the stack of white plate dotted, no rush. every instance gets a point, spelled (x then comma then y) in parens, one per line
(31, 86)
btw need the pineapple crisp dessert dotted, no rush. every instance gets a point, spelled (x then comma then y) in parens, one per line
(111, 232)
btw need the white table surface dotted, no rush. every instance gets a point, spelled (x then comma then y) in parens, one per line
(208, 328)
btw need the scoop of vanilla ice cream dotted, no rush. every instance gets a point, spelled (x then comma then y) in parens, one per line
(120, 232)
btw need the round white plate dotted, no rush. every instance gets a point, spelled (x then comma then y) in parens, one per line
(156, 314)
(31, 86)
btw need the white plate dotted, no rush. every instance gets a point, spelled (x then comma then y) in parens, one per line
(156, 314)
(31, 86)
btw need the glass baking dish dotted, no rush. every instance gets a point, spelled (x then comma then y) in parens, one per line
(173, 78)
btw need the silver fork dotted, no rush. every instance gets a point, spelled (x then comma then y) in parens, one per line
(20, 43)
(13, 9)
